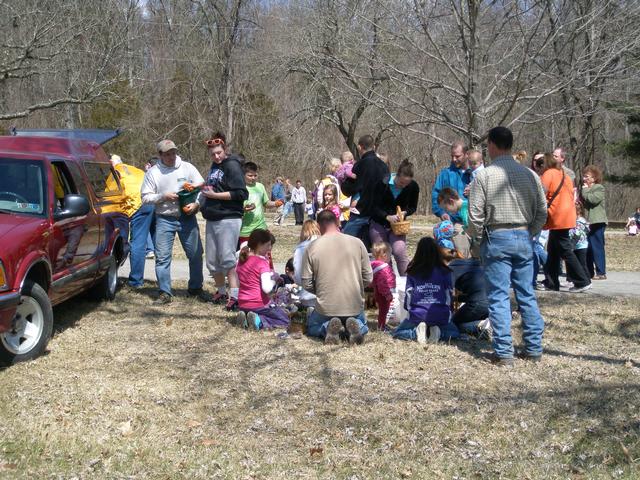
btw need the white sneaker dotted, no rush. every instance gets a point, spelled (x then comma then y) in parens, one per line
(421, 332)
(150, 255)
(484, 329)
(580, 289)
(434, 334)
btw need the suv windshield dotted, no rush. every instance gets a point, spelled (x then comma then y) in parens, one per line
(22, 186)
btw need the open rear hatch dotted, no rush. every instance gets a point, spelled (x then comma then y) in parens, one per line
(91, 134)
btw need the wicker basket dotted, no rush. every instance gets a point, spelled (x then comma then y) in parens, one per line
(402, 226)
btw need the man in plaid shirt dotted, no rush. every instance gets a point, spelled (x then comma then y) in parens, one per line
(507, 206)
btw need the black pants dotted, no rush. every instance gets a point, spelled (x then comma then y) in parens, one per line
(560, 247)
(581, 255)
(471, 312)
(298, 212)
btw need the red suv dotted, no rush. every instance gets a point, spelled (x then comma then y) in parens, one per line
(58, 234)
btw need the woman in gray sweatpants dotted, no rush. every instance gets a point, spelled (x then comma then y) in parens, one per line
(222, 200)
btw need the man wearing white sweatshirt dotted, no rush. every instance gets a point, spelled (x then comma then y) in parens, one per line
(160, 186)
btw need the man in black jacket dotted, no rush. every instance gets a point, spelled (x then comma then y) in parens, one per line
(371, 176)
(222, 202)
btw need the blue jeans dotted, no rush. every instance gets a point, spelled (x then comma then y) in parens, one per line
(595, 252)
(407, 331)
(121, 221)
(508, 260)
(150, 247)
(152, 235)
(139, 224)
(539, 258)
(317, 324)
(186, 226)
(286, 210)
(355, 225)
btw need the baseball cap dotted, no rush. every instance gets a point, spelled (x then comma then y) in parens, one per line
(166, 145)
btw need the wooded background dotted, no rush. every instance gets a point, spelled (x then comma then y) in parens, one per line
(293, 83)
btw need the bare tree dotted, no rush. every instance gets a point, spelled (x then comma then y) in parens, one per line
(50, 57)
(332, 63)
(463, 66)
(591, 50)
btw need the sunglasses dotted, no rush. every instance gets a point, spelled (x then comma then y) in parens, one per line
(214, 142)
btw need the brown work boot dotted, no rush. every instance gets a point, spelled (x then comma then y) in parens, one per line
(353, 329)
(334, 329)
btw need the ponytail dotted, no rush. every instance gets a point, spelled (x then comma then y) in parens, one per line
(244, 254)
(405, 169)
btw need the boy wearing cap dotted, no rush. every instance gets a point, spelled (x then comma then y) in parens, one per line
(160, 186)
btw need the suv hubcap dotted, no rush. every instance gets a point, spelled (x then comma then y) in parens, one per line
(27, 327)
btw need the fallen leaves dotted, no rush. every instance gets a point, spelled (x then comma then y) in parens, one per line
(126, 430)
(193, 424)
(626, 453)
(316, 451)
(8, 466)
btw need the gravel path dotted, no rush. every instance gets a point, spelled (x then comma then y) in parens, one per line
(618, 283)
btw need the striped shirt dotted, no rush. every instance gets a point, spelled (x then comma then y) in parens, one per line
(506, 194)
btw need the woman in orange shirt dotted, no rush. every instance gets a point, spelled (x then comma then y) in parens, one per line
(561, 217)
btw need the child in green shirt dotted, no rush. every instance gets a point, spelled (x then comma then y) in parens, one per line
(254, 206)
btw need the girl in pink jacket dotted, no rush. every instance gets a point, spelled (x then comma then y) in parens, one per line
(384, 280)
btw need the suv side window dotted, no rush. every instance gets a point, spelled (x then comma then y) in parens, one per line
(62, 181)
(77, 177)
(103, 178)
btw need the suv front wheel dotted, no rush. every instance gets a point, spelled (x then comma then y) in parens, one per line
(32, 326)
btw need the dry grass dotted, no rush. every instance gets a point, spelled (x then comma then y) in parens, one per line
(129, 390)
(622, 252)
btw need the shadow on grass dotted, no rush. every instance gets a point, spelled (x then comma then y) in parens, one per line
(592, 358)
(602, 406)
(68, 313)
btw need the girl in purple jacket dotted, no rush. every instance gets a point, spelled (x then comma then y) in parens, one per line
(428, 294)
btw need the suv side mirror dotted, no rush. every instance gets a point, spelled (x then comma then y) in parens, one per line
(74, 206)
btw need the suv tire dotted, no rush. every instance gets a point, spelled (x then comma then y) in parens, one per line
(105, 288)
(32, 328)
